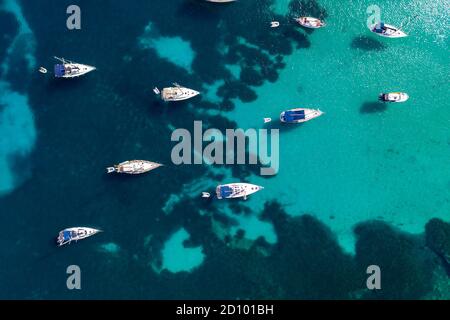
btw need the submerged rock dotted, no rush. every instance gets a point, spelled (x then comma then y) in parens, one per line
(437, 233)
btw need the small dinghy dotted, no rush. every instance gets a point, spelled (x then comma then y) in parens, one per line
(133, 167)
(274, 24)
(385, 30)
(267, 120)
(310, 22)
(299, 115)
(42, 70)
(395, 97)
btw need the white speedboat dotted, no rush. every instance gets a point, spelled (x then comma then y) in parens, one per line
(69, 69)
(236, 190)
(74, 234)
(299, 115)
(310, 22)
(176, 93)
(134, 167)
(393, 97)
(385, 30)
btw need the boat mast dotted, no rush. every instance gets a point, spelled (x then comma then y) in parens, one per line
(409, 21)
(64, 61)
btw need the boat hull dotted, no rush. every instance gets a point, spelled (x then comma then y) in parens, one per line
(394, 34)
(134, 167)
(178, 94)
(76, 70)
(309, 114)
(394, 97)
(310, 22)
(68, 235)
(237, 190)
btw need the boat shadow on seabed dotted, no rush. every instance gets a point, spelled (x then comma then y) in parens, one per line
(54, 83)
(283, 127)
(373, 107)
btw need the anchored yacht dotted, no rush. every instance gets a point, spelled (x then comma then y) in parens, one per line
(234, 190)
(310, 22)
(134, 167)
(176, 93)
(299, 115)
(74, 234)
(69, 69)
(385, 30)
(393, 97)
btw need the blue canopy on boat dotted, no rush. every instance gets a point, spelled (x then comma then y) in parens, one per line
(225, 191)
(66, 235)
(379, 27)
(59, 70)
(291, 116)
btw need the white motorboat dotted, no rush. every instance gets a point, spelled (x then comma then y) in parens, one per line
(385, 30)
(274, 24)
(310, 22)
(69, 69)
(74, 234)
(134, 167)
(176, 93)
(236, 190)
(299, 115)
(393, 97)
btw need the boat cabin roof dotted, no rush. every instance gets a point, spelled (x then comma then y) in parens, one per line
(67, 235)
(60, 70)
(294, 115)
(225, 191)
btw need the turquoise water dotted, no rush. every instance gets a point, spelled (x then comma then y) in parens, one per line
(354, 164)
(356, 186)
(17, 128)
(174, 49)
(176, 257)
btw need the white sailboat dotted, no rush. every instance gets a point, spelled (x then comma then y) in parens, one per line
(234, 190)
(176, 93)
(74, 234)
(69, 69)
(299, 115)
(310, 22)
(134, 167)
(386, 30)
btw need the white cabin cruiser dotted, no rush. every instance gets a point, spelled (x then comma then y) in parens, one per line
(310, 22)
(74, 234)
(299, 115)
(236, 190)
(393, 97)
(176, 93)
(69, 69)
(385, 30)
(134, 167)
